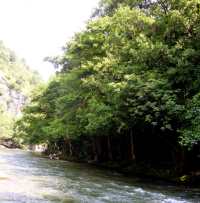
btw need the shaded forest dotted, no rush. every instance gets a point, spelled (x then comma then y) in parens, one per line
(127, 93)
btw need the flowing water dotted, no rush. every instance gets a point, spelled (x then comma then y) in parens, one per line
(27, 178)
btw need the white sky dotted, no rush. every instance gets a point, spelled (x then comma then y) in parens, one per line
(35, 29)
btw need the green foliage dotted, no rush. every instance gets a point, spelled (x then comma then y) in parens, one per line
(6, 125)
(17, 81)
(108, 7)
(190, 134)
(134, 67)
(18, 75)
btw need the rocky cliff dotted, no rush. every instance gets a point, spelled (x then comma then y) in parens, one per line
(17, 81)
(11, 100)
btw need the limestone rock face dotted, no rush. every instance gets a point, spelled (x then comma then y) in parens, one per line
(11, 100)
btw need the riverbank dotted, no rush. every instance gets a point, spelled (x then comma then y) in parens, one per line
(133, 169)
(10, 143)
(153, 174)
(130, 169)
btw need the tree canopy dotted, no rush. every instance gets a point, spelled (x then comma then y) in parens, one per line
(134, 68)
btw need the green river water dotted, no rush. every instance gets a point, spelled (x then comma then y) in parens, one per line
(29, 178)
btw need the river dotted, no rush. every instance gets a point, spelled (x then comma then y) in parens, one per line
(29, 178)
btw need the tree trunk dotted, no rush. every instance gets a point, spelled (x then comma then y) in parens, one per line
(110, 156)
(180, 161)
(65, 150)
(95, 150)
(132, 153)
(99, 148)
(70, 148)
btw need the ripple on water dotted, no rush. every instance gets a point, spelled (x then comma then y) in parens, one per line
(28, 179)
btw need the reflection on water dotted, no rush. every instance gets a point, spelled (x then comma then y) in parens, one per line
(27, 178)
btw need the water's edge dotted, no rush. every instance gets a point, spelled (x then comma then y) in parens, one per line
(29, 177)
